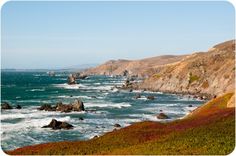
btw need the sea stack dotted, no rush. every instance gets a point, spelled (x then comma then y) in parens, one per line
(71, 80)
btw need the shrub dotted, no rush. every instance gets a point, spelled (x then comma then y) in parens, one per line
(193, 78)
(156, 76)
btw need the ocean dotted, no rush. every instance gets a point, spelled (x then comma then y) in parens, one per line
(106, 106)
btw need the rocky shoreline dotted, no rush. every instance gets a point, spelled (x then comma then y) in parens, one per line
(192, 129)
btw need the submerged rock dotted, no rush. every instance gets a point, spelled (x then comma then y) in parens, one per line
(18, 107)
(54, 124)
(162, 116)
(190, 105)
(6, 105)
(137, 96)
(150, 97)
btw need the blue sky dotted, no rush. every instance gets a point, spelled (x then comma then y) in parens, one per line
(62, 34)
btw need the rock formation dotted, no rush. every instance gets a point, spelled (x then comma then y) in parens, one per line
(5, 105)
(71, 79)
(77, 105)
(55, 125)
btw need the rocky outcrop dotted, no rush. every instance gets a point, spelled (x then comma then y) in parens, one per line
(47, 107)
(55, 125)
(162, 116)
(71, 79)
(18, 107)
(117, 125)
(77, 105)
(6, 105)
(150, 97)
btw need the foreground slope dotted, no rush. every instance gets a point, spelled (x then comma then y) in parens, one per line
(207, 130)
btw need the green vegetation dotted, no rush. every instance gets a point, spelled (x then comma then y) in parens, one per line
(215, 138)
(208, 130)
(156, 76)
(193, 78)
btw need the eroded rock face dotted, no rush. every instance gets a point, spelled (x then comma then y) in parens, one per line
(6, 105)
(78, 105)
(54, 124)
(162, 116)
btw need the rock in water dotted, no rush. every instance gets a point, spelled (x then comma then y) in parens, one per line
(71, 79)
(82, 77)
(46, 107)
(77, 105)
(150, 97)
(51, 73)
(162, 116)
(117, 125)
(63, 107)
(6, 105)
(54, 124)
(137, 96)
(18, 107)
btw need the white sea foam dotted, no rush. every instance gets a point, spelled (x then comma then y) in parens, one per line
(67, 86)
(111, 105)
(37, 90)
(98, 87)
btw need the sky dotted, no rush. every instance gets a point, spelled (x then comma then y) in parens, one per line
(38, 35)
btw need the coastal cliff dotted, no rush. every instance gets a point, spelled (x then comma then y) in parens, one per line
(210, 73)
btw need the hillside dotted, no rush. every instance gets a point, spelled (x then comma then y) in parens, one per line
(202, 132)
(210, 73)
(142, 68)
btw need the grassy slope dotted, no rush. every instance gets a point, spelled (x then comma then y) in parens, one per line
(208, 130)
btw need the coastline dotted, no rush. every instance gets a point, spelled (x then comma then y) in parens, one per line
(209, 112)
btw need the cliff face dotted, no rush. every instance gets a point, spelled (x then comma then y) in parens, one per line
(210, 72)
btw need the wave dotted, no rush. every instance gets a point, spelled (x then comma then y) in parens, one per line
(67, 86)
(36, 90)
(111, 105)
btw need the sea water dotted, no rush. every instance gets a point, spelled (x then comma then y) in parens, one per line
(106, 106)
